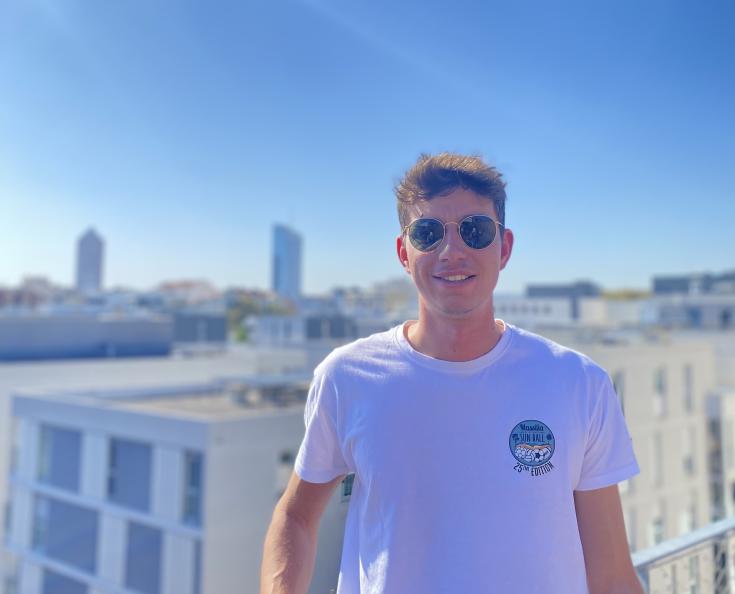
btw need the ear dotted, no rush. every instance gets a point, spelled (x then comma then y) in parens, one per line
(402, 253)
(506, 247)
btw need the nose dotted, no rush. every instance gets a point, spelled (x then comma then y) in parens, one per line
(452, 248)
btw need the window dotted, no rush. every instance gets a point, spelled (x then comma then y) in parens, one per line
(143, 559)
(688, 439)
(618, 379)
(688, 388)
(192, 491)
(59, 457)
(694, 574)
(657, 531)
(14, 436)
(197, 569)
(660, 390)
(55, 583)
(129, 474)
(65, 532)
(8, 520)
(688, 517)
(11, 575)
(657, 461)
(657, 527)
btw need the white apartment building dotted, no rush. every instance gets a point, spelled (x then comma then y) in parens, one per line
(121, 375)
(663, 384)
(153, 492)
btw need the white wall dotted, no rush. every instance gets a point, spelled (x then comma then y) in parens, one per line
(243, 485)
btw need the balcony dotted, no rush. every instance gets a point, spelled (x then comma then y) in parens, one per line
(701, 562)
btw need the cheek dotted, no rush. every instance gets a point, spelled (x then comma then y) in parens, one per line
(422, 265)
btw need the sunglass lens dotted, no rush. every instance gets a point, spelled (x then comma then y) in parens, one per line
(425, 234)
(477, 231)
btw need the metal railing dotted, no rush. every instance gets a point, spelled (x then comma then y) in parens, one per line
(700, 562)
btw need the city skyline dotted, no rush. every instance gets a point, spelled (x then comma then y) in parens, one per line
(284, 241)
(184, 134)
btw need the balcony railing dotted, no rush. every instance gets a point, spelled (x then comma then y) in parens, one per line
(700, 562)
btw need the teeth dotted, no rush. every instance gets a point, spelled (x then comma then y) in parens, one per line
(458, 277)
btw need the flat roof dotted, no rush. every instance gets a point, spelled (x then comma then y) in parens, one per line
(219, 405)
(212, 401)
(149, 372)
(210, 385)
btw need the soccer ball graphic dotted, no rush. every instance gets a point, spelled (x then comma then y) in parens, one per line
(533, 454)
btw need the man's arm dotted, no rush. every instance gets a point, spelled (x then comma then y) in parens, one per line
(290, 544)
(604, 542)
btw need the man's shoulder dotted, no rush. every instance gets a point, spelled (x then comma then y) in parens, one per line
(548, 351)
(359, 353)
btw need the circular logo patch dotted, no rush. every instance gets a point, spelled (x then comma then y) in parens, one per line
(531, 443)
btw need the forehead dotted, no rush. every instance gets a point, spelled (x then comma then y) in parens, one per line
(454, 206)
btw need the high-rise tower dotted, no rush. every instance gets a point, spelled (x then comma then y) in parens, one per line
(286, 262)
(90, 259)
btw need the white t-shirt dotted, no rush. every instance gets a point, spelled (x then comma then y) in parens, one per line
(464, 471)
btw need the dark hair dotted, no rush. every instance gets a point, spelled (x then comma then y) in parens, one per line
(438, 175)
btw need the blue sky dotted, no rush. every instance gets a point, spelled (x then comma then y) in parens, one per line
(183, 130)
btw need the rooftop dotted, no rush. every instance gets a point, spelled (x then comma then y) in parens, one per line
(215, 400)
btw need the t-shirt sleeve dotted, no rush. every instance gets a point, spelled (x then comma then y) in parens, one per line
(609, 457)
(320, 459)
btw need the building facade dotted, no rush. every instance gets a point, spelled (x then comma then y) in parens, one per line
(663, 385)
(154, 493)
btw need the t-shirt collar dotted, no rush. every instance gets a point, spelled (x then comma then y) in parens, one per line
(470, 366)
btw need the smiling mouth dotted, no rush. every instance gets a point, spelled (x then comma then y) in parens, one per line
(455, 278)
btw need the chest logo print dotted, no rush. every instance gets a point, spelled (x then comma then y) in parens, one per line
(532, 445)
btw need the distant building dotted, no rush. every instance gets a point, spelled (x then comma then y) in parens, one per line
(286, 262)
(532, 312)
(119, 377)
(90, 262)
(705, 311)
(663, 383)
(35, 336)
(187, 292)
(192, 326)
(315, 335)
(32, 292)
(156, 492)
(695, 284)
(572, 291)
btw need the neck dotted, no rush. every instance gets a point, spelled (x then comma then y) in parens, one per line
(454, 339)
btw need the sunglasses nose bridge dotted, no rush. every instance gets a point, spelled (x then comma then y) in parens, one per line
(446, 242)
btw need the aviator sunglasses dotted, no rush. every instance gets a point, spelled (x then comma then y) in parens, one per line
(477, 231)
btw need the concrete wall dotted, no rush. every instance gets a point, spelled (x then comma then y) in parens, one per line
(245, 482)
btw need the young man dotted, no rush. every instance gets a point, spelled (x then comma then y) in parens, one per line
(486, 458)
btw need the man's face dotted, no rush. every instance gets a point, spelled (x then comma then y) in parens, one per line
(429, 270)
